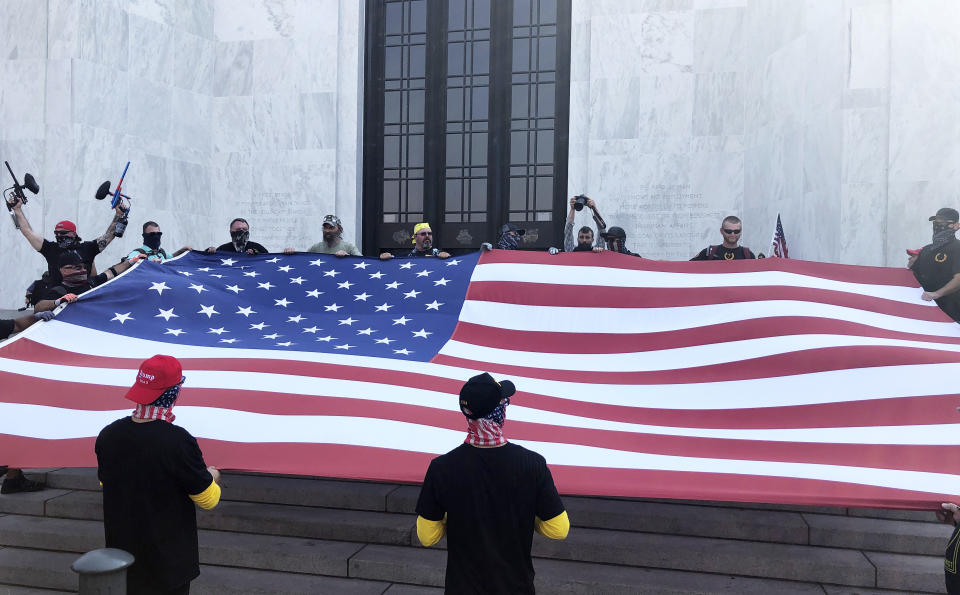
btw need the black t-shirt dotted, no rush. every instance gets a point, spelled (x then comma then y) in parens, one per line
(490, 497)
(935, 268)
(422, 253)
(229, 247)
(148, 471)
(6, 328)
(51, 251)
(721, 252)
(950, 560)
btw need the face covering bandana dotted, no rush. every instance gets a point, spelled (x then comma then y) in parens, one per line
(488, 431)
(240, 238)
(942, 233)
(67, 242)
(152, 240)
(508, 241)
(162, 408)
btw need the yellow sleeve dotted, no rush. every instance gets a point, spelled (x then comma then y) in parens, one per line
(555, 528)
(429, 532)
(208, 498)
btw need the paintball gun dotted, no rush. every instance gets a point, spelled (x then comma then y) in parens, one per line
(118, 200)
(14, 194)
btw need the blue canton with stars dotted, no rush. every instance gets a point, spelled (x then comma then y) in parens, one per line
(401, 308)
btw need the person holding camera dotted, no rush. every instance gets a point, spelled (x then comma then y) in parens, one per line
(239, 240)
(423, 240)
(730, 228)
(587, 240)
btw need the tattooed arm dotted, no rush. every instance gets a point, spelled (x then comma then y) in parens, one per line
(107, 237)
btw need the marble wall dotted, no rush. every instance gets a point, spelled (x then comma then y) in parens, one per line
(224, 108)
(840, 115)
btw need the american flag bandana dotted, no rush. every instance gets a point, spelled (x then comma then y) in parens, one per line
(488, 431)
(162, 408)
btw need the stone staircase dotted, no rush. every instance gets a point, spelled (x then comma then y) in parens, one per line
(282, 534)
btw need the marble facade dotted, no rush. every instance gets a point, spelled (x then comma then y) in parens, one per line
(841, 115)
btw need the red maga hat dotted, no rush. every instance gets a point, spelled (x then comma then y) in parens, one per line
(156, 375)
(66, 226)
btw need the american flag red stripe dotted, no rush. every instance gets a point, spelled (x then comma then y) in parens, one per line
(779, 381)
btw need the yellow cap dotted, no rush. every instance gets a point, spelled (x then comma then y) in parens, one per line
(417, 228)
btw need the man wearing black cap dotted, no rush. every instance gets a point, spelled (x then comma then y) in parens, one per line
(152, 474)
(488, 496)
(74, 280)
(616, 239)
(937, 267)
(510, 236)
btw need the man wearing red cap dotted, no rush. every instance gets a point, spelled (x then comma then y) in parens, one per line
(488, 496)
(152, 474)
(66, 236)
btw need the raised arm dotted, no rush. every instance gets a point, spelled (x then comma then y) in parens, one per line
(35, 239)
(107, 237)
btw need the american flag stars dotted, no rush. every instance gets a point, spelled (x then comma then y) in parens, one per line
(186, 290)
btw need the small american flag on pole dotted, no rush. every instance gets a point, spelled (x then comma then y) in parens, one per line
(772, 380)
(779, 242)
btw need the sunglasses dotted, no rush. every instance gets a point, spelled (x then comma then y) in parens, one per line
(732, 231)
(425, 233)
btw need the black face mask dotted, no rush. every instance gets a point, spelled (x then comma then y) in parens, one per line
(939, 226)
(152, 240)
(68, 242)
(240, 238)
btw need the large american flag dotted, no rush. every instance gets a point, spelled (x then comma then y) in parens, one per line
(764, 380)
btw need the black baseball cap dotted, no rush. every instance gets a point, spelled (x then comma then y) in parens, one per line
(614, 232)
(512, 227)
(481, 395)
(948, 214)
(68, 257)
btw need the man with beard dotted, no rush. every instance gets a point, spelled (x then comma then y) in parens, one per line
(585, 237)
(937, 266)
(488, 496)
(423, 238)
(151, 244)
(66, 236)
(74, 280)
(239, 240)
(153, 473)
(333, 242)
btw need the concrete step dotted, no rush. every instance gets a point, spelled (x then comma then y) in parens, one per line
(37, 568)
(244, 550)
(221, 580)
(895, 536)
(702, 554)
(907, 572)
(29, 502)
(268, 519)
(14, 590)
(428, 566)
